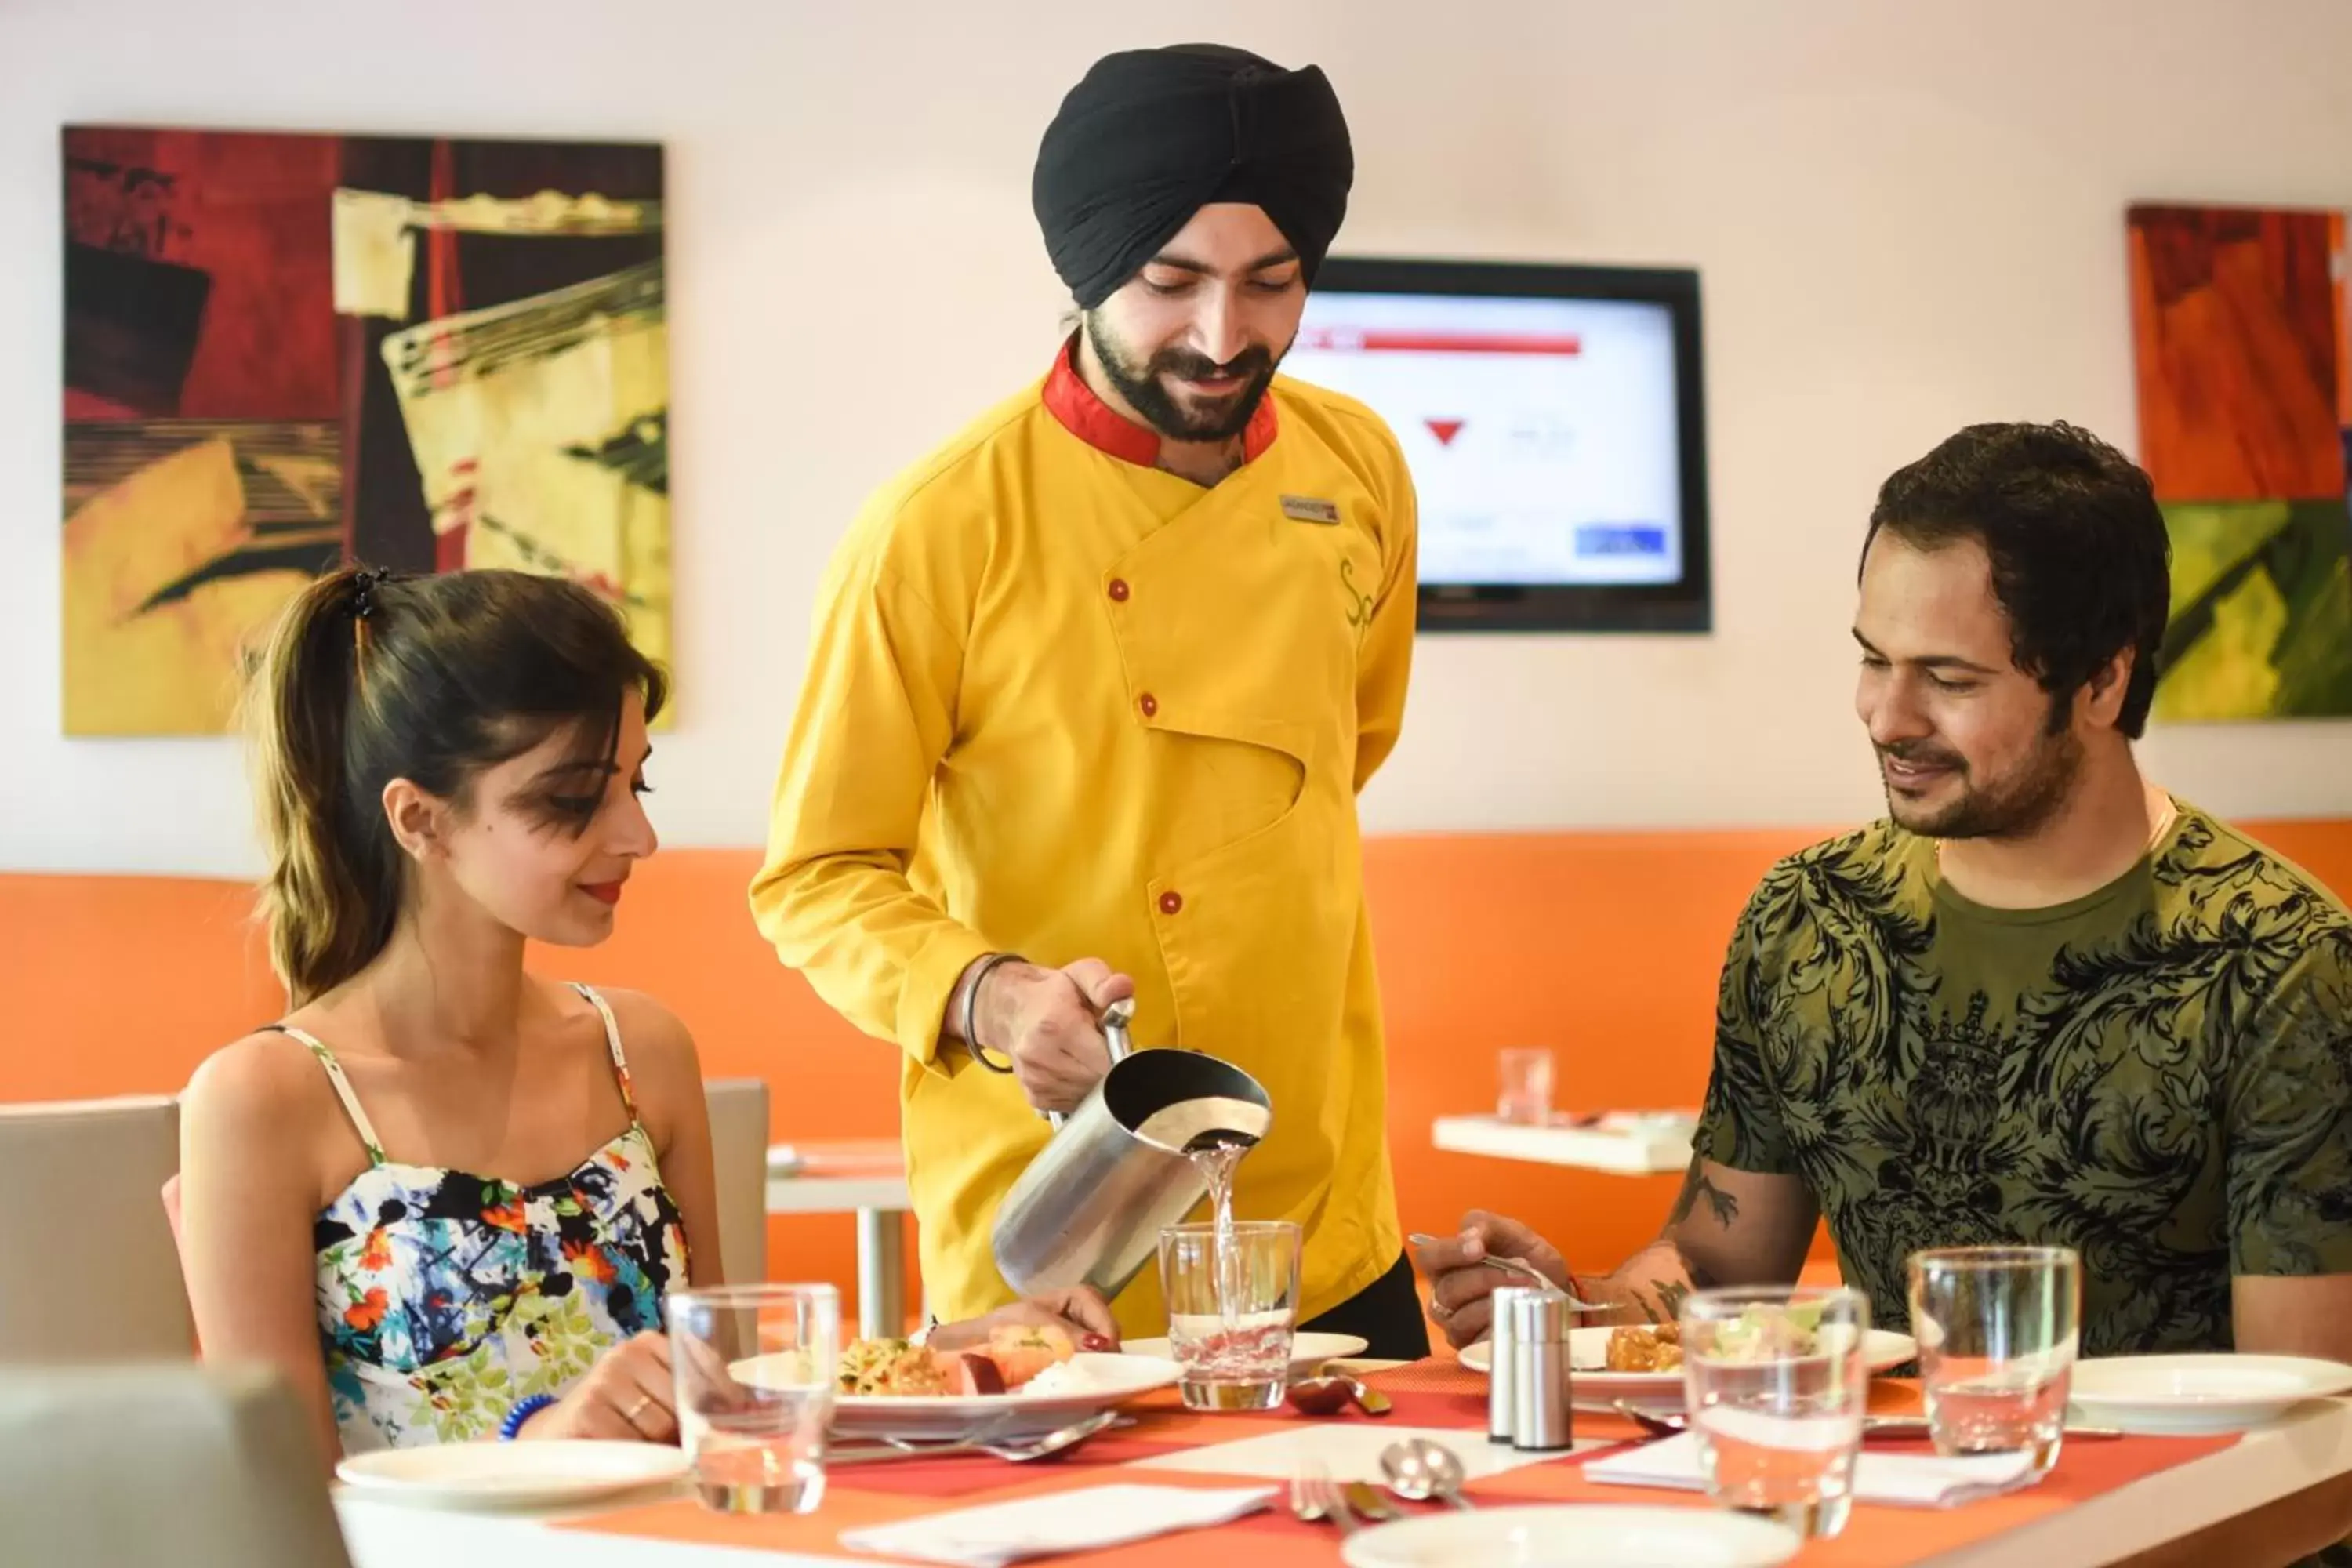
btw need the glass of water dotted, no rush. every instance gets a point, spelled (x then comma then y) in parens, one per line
(1776, 1381)
(755, 1367)
(1997, 1329)
(1233, 1305)
(1525, 1093)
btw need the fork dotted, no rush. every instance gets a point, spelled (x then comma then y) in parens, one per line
(1316, 1498)
(1519, 1266)
(1019, 1453)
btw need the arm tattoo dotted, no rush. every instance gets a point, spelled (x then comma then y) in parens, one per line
(1672, 1293)
(1722, 1205)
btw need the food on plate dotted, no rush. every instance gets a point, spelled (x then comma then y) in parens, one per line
(890, 1366)
(1015, 1357)
(1063, 1377)
(1766, 1334)
(1657, 1348)
(1023, 1351)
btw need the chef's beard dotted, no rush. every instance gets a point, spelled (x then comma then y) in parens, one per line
(1147, 390)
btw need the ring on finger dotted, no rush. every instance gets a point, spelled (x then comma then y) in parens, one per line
(634, 1410)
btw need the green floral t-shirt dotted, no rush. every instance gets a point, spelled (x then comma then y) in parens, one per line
(2158, 1075)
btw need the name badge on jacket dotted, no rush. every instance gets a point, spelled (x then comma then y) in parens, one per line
(1309, 508)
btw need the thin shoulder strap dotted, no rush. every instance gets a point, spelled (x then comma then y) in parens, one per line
(612, 1044)
(318, 1048)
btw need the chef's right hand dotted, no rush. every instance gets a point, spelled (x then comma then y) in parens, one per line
(1047, 1023)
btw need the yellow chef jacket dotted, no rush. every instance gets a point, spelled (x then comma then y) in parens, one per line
(1063, 703)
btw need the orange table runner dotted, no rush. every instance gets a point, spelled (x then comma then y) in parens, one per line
(1427, 1394)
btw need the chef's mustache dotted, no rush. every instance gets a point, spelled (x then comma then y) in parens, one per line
(1186, 366)
(1918, 753)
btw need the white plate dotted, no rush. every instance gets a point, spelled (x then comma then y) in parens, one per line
(2200, 1393)
(1110, 1379)
(1308, 1351)
(1578, 1535)
(512, 1475)
(1588, 1352)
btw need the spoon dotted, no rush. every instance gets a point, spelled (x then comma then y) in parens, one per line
(1419, 1469)
(1329, 1395)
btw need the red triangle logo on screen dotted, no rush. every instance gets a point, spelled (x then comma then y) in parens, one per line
(1445, 429)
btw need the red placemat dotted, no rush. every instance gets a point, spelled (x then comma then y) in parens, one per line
(1437, 1394)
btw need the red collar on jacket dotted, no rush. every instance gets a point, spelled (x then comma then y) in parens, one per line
(1072, 402)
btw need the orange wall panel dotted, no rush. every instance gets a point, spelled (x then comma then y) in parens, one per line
(1604, 947)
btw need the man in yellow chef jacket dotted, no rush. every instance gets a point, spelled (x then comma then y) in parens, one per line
(1093, 690)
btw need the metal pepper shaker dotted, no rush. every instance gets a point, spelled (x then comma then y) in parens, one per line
(1503, 1363)
(1540, 1394)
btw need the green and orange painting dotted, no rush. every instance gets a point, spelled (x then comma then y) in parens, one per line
(2243, 329)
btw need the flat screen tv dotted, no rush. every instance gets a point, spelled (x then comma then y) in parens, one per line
(1554, 419)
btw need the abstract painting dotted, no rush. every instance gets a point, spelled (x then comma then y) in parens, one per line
(2242, 325)
(283, 353)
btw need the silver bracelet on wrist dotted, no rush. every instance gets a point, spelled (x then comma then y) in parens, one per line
(971, 1008)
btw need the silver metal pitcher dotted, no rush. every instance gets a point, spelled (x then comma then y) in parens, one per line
(1090, 1207)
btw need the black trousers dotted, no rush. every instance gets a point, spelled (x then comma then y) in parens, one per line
(1385, 1314)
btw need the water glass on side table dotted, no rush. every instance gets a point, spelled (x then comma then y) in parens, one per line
(1997, 1329)
(1777, 1382)
(1523, 1094)
(755, 1367)
(1233, 1308)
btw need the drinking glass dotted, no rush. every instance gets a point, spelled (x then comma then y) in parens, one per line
(1526, 1093)
(1233, 1305)
(755, 1367)
(1776, 1383)
(1997, 1329)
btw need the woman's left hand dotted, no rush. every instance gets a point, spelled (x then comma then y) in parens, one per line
(1080, 1313)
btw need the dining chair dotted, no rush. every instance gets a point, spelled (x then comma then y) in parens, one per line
(161, 1465)
(88, 1271)
(739, 1155)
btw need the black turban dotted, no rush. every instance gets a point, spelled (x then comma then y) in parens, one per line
(1151, 136)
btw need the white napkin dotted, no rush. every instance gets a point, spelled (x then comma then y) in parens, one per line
(1058, 1521)
(1917, 1481)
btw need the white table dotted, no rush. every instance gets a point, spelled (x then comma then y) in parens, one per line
(881, 1205)
(1636, 1151)
(2312, 1446)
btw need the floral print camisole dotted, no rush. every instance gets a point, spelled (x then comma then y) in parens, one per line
(445, 1296)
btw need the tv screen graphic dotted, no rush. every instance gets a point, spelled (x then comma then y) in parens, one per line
(1552, 417)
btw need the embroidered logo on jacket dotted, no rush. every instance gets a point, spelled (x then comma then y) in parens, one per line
(1360, 603)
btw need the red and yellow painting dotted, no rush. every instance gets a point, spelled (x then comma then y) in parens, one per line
(2241, 324)
(283, 353)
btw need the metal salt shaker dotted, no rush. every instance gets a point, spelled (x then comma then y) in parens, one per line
(1503, 1365)
(1540, 1392)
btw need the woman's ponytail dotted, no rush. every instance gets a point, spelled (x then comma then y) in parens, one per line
(332, 890)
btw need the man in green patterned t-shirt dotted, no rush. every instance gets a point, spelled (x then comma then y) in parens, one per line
(2042, 1002)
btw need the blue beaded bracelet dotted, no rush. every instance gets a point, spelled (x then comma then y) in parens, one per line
(512, 1427)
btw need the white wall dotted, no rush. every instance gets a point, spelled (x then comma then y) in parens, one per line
(1904, 225)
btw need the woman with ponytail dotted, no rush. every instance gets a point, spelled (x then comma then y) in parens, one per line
(446, 1198)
